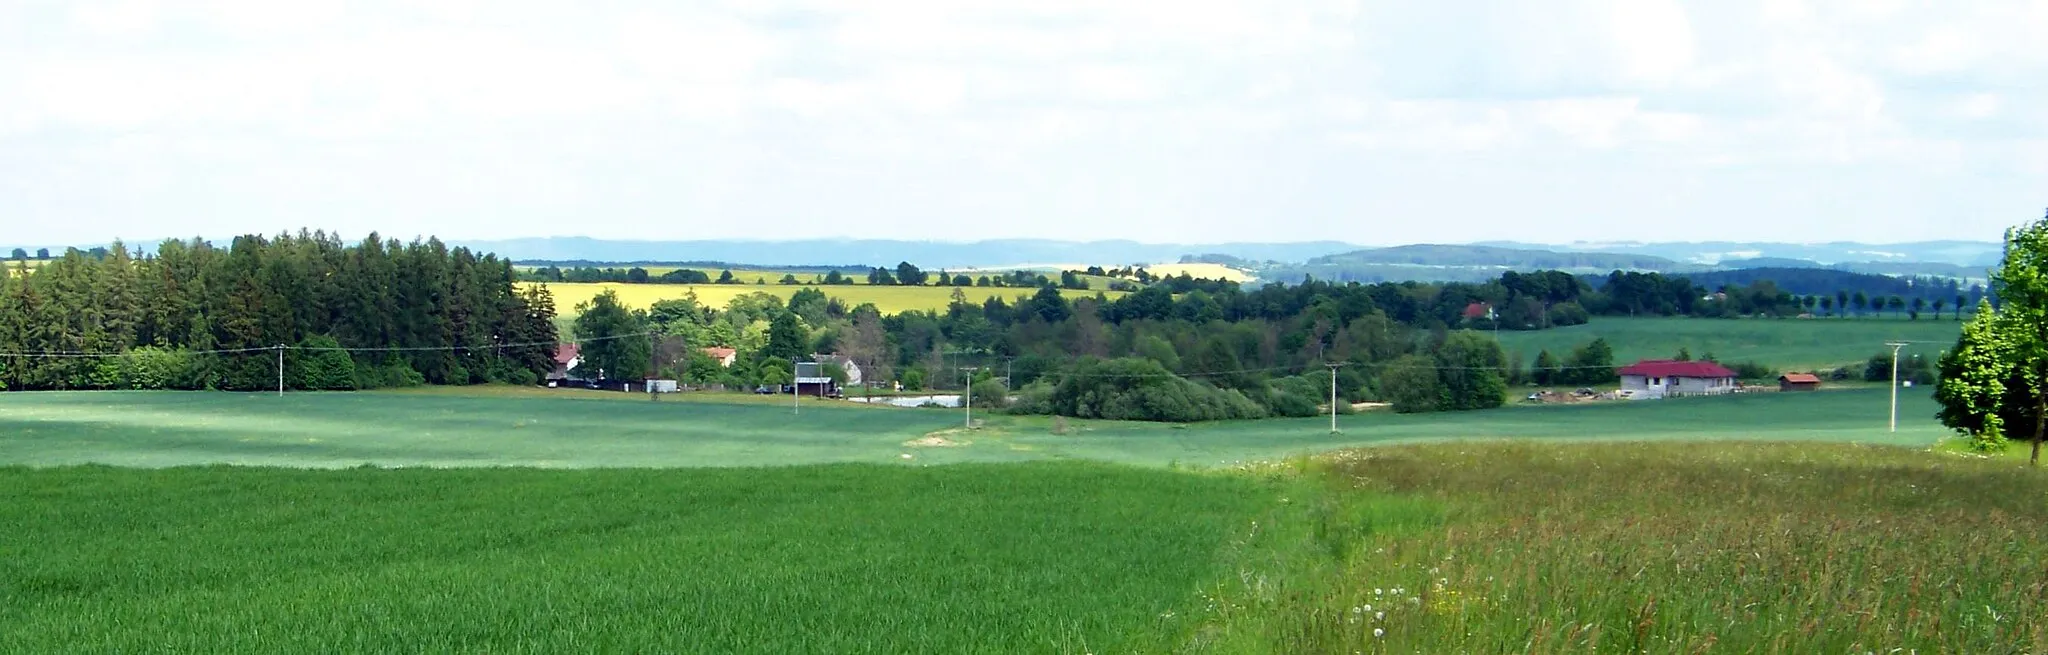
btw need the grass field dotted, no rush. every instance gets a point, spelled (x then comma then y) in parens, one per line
(889, 300)
(1662, 526)
(1786, 344)
(513, 427)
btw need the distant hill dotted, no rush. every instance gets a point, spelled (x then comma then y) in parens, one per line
(1458, 263)
(887, 252)
(1718, 253)
(1823, 281)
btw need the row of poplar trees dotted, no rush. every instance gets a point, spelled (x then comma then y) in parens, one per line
(421, 313)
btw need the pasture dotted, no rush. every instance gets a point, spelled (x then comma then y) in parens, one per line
(568, 429)
(1787, 344)
(887, 299)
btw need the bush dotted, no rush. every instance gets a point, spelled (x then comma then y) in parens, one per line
(1753, 371)
(1035, 399)
(320, 370)
(1142, 390)
(392, 373)
(990, 394)
(913, 380)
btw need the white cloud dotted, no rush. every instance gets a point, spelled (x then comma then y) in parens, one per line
(1110, 117)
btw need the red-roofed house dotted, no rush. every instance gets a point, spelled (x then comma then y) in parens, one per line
(567, 356)
(1658, 378)
(724, 356)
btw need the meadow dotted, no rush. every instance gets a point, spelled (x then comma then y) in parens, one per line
(1787, 344)
(887, 299)
(568, 429)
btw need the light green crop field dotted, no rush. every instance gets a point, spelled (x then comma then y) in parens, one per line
(889, 300)
(541, 428)
(1787, 344)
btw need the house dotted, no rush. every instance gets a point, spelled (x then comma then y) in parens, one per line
(724, 356)
(811, 380)
(1660, 378)
(1798, 382)
(1477, 311)
(567, 357)
(845, 363)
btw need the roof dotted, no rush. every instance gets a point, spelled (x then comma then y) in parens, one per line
(567, 352)
(720, 353)
(1665, 368)
(1800, 378)
(1476, 310)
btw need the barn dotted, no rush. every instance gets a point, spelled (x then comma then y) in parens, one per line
(1662, 378)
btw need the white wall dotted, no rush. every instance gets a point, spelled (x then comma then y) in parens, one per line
(1649, 387)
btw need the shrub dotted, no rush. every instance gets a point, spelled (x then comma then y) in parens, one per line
(990, 394)
(1142, 390)
(320, 370)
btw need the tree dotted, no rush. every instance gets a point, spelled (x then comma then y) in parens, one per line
(636, 275)
(1981, 391)
(1050, 305)
(1919, 304)
(1960, 301)
(1860, 302)
(725, 277)
(1938, 302)
(1412, 385)
(42, 253)
(1841, 303)
(1827, 305)
(909, 276)
(834, 278)
(788, 279)
(2000, 363)
(1896, 304)
(1546, 372)
(20, 254)
(1684, 355)
(1471, 374)
(786, 338)
(1592, 363)
(611, 337)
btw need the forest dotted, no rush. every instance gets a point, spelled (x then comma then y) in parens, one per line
(193, 316)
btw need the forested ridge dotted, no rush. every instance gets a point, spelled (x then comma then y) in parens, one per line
(381, 312)
(194, 316)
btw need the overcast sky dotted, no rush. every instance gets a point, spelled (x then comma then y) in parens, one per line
(1376, 122)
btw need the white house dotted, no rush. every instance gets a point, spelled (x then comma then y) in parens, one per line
(845, 363)
(724, 356)
(1659, 378)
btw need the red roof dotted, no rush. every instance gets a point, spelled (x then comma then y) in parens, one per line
(567, 352)
(1476, 310)
(717, 352)
(1665, 368)
(1800, 378)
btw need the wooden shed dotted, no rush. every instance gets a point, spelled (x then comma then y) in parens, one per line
(1798, 382)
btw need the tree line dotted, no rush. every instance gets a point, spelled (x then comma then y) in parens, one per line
(194, 316)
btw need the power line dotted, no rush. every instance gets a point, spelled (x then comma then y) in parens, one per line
(60, 354)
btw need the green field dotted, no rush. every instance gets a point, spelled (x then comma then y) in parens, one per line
(888, 300)
(841, 559)
(1787, 344)
(1653, 526)
(509, 427)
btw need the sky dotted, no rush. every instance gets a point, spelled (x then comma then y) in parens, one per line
(1368, 121)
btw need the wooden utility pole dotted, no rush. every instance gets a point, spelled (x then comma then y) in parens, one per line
(653, 363)
(1895, 383)
(1333, 396)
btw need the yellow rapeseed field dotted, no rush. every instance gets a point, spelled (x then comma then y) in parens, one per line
(890, 300)
(1201, 271)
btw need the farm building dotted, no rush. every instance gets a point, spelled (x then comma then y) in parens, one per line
(811, 380)
(724, 356)
(567, 357)
(1798, 382)
(1660, 378)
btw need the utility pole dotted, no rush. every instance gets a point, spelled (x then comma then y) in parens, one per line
(652, 362)
(1896, 345)
(795, 405)
(968, 372)
(1333, 396)
(280, 370)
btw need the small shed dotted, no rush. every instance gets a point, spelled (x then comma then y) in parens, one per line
(1798, 382)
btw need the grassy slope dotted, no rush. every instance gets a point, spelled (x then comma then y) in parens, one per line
(1786, 344)
(579, 429)
(1665, 548)
(889, 300)
(837, 559)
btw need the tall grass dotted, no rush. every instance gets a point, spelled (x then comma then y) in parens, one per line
(833, 559)
(1670, 548)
